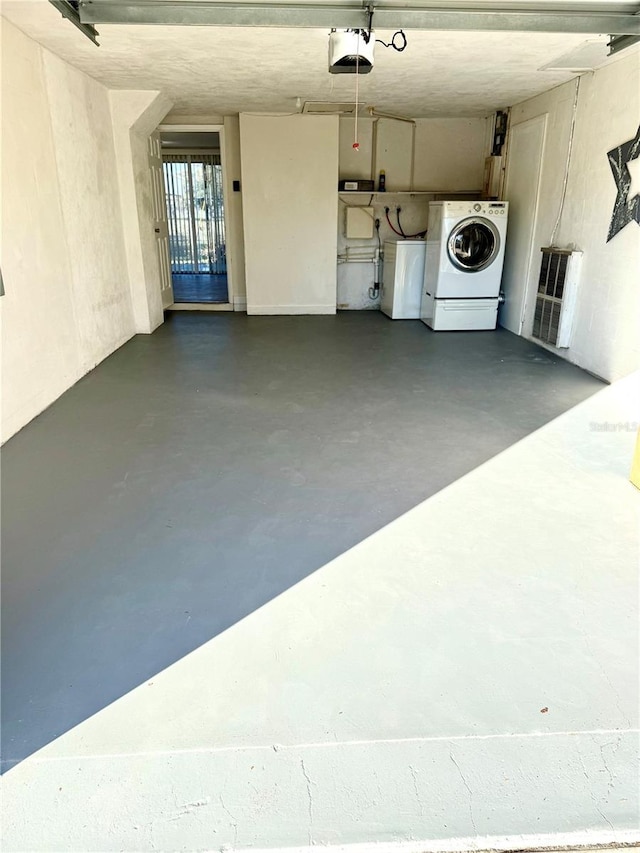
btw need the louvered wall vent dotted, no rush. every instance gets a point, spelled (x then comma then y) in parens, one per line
(323, 108)
(556, 297)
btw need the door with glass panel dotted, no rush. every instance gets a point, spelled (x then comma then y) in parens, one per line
(195, 212)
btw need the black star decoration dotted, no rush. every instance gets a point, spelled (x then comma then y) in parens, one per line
(625, 210)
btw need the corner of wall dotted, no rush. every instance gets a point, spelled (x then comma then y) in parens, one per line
(67, 303)
(604, 339)
(135, 115)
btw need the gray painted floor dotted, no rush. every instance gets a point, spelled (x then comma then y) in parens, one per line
(199, 472)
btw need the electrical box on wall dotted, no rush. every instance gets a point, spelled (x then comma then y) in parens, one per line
(358, 222)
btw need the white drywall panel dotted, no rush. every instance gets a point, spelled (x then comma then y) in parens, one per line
(88, 181)
(393, 154)
(135, 117)
(449, 154)
(605, 338)
(67, 302)
(290, 174)
(352, 163)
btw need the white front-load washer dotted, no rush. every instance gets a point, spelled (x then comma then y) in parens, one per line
(463, 266)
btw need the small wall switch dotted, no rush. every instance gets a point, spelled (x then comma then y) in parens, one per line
(358, 223)
(236, 186)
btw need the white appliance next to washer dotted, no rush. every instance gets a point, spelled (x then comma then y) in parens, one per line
(463, 266)
(402, 279)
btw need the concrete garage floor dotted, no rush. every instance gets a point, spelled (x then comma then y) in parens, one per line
(197, 476)
(200, 472)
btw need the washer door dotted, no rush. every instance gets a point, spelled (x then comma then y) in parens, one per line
(473, 244)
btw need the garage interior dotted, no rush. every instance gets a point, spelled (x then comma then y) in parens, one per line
(279, 571)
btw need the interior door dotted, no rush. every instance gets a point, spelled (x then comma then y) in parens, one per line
(160, 223)
(522, 190)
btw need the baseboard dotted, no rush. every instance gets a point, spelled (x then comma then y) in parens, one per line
(581, 842)
(239, 303)
(291, 309)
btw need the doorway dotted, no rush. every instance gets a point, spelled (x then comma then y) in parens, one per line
(193, 179)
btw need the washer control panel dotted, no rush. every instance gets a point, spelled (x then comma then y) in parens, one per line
(489, 208)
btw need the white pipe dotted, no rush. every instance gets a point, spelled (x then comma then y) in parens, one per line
(373, 112)
(368, 254)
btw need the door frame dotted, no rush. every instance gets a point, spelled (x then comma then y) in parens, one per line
(526, 290)
(213, 128)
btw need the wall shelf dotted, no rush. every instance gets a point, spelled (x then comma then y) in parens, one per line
(444, 193)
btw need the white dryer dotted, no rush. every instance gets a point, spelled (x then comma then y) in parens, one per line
(463, 267)
(402, 279)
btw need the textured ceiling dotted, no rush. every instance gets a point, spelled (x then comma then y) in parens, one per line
(219, 71)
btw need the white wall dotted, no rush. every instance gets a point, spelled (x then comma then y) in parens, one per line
(290, 178)
(605, 339)
(393, 153)
(449, 156)
(449, 153)
(67, 303)
(135, 115)
(355, 164)
(355, 278)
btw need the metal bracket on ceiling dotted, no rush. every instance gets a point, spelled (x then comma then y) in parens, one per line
(69, 10)
(370, 10)
(427, 16)
(618, 43)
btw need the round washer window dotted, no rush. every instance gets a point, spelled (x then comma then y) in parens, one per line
(473, 244)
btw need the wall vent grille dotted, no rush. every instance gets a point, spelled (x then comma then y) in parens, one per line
(323, 108)
(556, 296)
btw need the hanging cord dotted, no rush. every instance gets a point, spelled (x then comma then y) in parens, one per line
(568, 164)
(356, 144)
(392, 43)
(395, 230)
(401, 232)
(408, 236)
